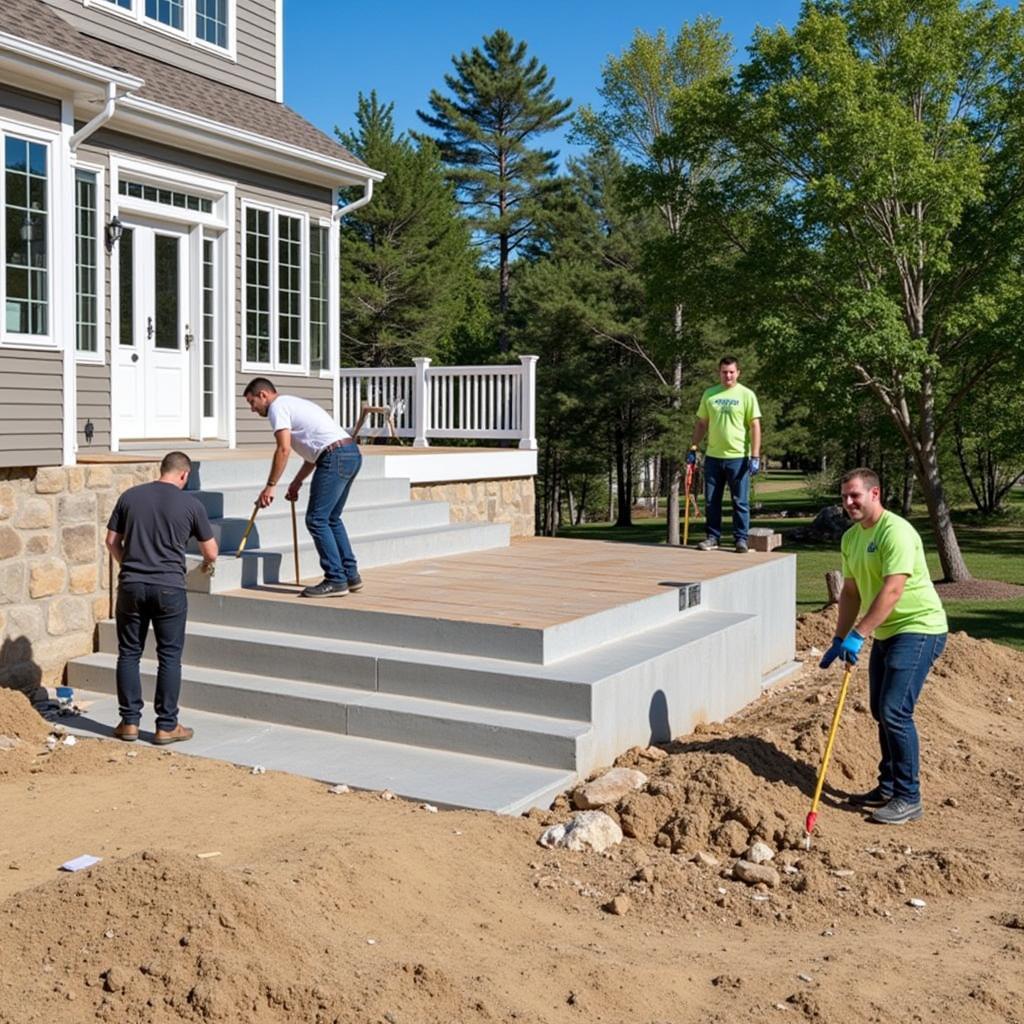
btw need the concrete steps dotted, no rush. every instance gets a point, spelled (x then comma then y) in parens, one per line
(383, 523)
(415, 773)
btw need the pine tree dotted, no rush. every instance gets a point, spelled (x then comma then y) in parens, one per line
(500, 102)
(408, 266)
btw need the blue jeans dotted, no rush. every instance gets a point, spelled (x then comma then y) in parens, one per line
(735, 473)
(328, 492)
(138, 605)
(896, 675)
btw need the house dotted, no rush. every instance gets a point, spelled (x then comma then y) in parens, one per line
(168, 226)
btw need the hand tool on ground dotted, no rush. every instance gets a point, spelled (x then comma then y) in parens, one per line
(248, 530)
(812, 817)
(295, 542)
(686, 510)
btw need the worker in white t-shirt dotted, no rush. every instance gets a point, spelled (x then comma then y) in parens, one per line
(333, 457)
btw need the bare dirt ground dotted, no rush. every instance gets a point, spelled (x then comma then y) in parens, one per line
(356, 909)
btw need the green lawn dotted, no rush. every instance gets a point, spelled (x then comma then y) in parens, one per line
(991, 552)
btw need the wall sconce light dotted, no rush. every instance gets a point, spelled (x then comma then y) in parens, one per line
(114, 231)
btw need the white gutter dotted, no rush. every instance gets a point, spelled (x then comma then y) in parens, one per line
(343, 211)
(99, 120)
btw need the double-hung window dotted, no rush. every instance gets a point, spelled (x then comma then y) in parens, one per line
(26, 231)
(319, 261)
(275, 289)
(207, 22)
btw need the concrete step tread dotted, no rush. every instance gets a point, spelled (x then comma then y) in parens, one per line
(326, 693)
(283, 512)
(439, 777)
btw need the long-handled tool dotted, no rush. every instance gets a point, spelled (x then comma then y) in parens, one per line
(295, 543)
(812, 817)
(686, 508)
(248, 530)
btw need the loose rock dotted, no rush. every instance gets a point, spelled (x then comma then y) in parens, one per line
(705, 858)
(751, 874)
(619, 906)
(587, 830)
(610, 788)
(759, 853)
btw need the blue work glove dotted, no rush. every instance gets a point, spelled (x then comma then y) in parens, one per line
(691, 456)
(832, 653)
(755, 466)
(850, 647)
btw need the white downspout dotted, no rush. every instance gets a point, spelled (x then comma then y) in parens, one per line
(344, 211)
(100, 119)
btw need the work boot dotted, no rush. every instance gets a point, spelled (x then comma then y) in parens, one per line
(876, 797)
(355, 583)
(741, 547)
(178, 734)
(707, 545)
(326, 588)
(127, 732)
(898, 811)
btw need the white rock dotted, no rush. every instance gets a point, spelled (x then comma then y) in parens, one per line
(587, 830)
(705, 858)
(754, 873)
(386, 794)
(916, 903)
(258, 769)
(429, 808)
(69, 741)
(338, 790)
(806, 979)
(610, 788)
(759, 853)
(51, 742)
(7, 743)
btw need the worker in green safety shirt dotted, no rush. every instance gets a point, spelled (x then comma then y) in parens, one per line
(887, 591)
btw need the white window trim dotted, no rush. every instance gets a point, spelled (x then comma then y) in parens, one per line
(331, 324)
(99, 357)
(300, 369)
(137, 14)
(54, 229)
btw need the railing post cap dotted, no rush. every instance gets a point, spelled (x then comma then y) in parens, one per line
(528, 359)
(422, 361)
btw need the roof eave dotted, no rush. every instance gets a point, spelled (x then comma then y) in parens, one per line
(163, 123)
(40, 65)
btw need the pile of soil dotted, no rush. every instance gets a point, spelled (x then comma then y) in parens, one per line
(19, 720)
(227, 897)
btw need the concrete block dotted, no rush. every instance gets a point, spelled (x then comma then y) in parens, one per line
(765, 543)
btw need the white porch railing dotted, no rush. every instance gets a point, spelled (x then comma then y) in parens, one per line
(488, 403)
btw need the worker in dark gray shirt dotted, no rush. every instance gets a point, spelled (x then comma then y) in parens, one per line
(147, 533)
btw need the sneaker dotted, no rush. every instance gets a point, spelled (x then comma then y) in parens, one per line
(355, 583)
(327, 588)
(898, 811)
(876, 797)
(741, 547)
(127, 732)
(707, 545)
(178, 734)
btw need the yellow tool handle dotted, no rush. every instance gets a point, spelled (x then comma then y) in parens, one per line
(828, 748)
(248, 530)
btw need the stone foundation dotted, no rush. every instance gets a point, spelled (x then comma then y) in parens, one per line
(486, 501)
(53, 564)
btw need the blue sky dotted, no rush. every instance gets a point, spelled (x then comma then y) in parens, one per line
(403, 49)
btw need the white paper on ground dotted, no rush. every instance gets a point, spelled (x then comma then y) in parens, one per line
(79, 863)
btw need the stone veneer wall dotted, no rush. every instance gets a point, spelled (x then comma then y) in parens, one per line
(53, 564)
(486, 501)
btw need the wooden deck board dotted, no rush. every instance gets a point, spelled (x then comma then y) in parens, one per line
(533, 583)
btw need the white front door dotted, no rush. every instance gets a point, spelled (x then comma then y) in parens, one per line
(155, 336)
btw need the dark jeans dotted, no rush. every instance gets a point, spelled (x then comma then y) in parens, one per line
(896, 674)
(328, 492)
(138, 605)
(735, 473)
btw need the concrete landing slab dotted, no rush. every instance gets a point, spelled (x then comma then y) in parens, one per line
(415, 773)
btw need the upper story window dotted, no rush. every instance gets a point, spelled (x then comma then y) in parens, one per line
(207, 23)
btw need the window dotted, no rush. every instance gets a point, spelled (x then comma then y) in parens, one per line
(166, 196)
(209, 327)
(208, 23)
(319, 355)
(212, 21)
(26, 227)
(167, 12)
(275, 289)
(86, 264)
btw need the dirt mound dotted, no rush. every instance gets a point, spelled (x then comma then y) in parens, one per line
(19, 720)
(159, 937)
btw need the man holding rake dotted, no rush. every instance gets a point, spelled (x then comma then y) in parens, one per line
(888, 586)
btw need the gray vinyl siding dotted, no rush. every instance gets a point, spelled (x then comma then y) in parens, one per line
(31, 400)
(252, 429)
(27, 107)
(254, 70)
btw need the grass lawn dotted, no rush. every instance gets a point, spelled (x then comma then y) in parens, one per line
(991, 552)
